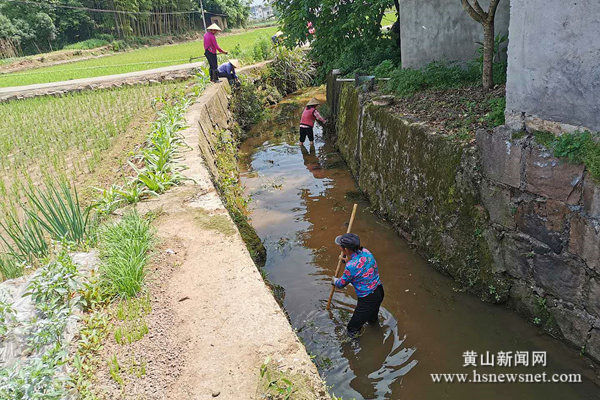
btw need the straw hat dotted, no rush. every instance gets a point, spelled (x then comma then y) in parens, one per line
(235, 62)
(278, 33)
(214, 27)
(313, 102)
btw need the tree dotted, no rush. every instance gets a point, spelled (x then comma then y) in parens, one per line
(347, 33)
(486, 19)
(396, 26)
(237, 11)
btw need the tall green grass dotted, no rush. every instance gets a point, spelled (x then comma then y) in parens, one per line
(52, 212)
(124, 249)
(56, 209)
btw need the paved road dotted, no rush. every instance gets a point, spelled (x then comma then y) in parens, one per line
(101, 82)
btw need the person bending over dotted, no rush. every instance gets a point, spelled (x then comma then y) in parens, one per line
(227, 70)
(307, 122)
(361, 271)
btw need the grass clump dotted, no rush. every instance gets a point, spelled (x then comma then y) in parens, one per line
(436, 75)
(56, 209)
(51, 212)
(124, 250)
(496, 115)
(577, 147)
(130, 314)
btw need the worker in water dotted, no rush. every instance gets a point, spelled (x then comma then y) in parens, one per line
(361, 271)
(307, 122)
(210, 50)
(227, 70)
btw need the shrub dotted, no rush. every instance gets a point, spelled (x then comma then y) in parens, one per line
(290, 70)
(87, 44)
(436, 75)
(261, 50)
(119, 45)
(246, 104)
(11, 267)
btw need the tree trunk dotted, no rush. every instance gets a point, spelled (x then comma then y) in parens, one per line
(397, 4)
(488, 55)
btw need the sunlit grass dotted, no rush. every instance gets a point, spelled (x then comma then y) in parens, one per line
(155, 57)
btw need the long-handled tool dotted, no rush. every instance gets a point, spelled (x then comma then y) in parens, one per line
(195, 58)
(337, 269)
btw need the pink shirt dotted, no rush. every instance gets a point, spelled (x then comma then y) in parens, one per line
(309, 115)
(210, 43)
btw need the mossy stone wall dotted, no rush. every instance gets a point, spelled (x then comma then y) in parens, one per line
(501, 215)
(425, 184)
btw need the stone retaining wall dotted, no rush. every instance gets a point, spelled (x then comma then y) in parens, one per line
(544, 214)
(502, 216)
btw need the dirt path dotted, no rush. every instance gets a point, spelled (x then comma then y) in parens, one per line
(213, 320)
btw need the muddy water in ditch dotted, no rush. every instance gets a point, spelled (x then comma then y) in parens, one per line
(301, 199)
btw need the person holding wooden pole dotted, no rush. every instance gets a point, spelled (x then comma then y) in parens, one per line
(361, 271)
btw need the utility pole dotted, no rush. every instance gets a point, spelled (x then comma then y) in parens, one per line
(203, 20)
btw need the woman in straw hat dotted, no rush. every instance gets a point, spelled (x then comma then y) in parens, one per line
(227, 70)
(210, 50)
(307, 122)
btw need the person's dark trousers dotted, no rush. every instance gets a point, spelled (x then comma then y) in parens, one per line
(367, 310)
(212, 65)
(232, 81)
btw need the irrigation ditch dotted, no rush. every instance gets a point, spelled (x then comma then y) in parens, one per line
(211, 269)
(170, 279)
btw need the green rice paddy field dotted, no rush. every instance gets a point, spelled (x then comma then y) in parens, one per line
(136, 60)
(73, 136)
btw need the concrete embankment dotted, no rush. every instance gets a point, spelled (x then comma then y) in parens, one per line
(225, 319)
(501, 215)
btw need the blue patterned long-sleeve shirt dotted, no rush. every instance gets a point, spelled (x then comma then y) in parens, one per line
(361, 271)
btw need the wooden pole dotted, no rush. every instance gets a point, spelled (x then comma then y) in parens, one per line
(337, 269)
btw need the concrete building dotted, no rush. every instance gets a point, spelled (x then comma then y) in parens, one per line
(261, 11)
(554, 65)
(441, 30)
